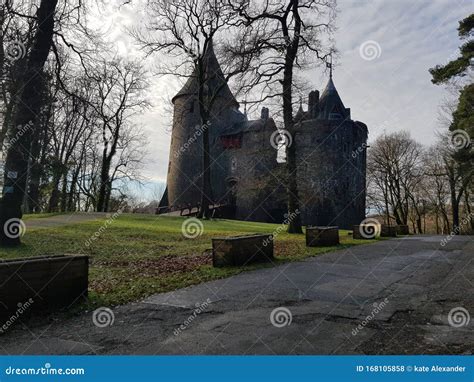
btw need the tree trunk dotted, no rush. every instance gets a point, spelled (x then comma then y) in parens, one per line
(72, 190)
(64, 192)
(54, 198)
(294, 224)
(204, 112)
(29, 107)
(104, 183)
(206, 191)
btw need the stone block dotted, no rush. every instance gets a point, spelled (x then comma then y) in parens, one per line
(388, 231)
(242, 250)
(403, 229)
(43, 283)
(322, 236)
(364, 231)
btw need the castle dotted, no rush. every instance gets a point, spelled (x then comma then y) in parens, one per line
(246, 177)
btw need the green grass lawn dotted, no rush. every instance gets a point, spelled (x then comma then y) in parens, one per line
(139, 255)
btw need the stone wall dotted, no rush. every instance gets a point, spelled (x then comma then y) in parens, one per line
(331, 179)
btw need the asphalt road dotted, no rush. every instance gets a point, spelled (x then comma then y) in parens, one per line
(403, 296)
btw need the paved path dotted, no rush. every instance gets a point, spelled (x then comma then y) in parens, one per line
(390, 297)
(64, 219)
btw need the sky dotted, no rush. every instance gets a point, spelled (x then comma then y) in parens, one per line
(385, 50)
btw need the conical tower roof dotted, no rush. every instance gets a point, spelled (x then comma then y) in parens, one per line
(300, 113)
(330, 102)
(214, 79)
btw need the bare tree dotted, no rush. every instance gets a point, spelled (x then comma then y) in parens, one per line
(28, 107)
(394, 167)
(286, 35)
(118, 96)
(187, 30)
(436, 187)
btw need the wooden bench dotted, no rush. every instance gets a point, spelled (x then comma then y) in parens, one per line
(242, 250)
(47, 282)
(322, 236)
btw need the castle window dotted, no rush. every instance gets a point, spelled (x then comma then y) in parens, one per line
(233, 164)
(231, 141)
(334, 116)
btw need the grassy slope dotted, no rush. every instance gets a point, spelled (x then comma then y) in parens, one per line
(124, 256)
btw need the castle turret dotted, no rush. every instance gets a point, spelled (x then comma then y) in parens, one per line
(331, 180)
(331, 105)
(185, 166)
(313, 104)
(214, 81)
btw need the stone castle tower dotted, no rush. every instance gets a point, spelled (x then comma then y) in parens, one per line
(247, 178)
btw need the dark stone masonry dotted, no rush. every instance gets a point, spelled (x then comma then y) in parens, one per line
(43, 283)
(322, 236)
(246, 176)
(242, 250)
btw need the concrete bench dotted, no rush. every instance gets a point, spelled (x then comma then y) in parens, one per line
(242, 250)
(47, 282)
(388, 231)
(322, 236)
